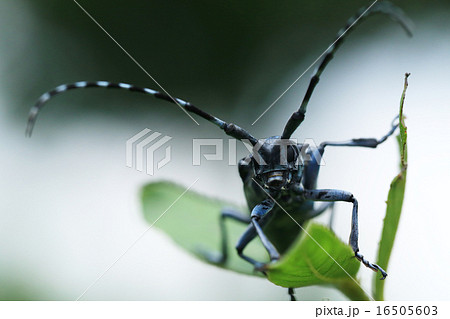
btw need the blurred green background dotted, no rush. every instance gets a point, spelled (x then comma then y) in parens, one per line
(70, 206)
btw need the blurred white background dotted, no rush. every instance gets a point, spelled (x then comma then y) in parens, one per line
(70, 206)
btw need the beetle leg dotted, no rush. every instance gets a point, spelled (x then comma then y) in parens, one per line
(362, 142)
(259, 216)
(226, 213)
(291, 293)
(247, 237)
(330, 221)
(334, 195)
(273, 253)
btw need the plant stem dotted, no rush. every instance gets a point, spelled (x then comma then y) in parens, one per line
(394, 203)
(352, 290)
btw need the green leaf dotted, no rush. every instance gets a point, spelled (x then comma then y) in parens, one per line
(193, 223)
(394, 202)
(318, 257)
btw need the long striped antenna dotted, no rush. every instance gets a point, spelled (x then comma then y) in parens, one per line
(387, 8)
(229, 128)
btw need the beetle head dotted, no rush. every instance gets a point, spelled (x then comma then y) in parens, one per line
(276, 162)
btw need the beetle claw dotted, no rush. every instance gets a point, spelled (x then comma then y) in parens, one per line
(368, 264)
(261, 267)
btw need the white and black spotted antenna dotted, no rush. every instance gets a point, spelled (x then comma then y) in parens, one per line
(394, 12)
(229, 128)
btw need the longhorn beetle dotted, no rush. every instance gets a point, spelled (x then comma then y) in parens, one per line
(274, 179)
